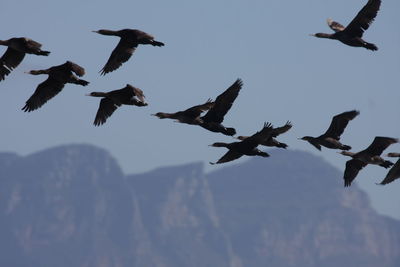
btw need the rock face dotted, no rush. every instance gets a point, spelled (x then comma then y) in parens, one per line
(73, 206)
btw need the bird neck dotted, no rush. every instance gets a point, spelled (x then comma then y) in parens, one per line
(348, 153)
(108, 32)
(37, 72)
(220, 144)
(98, 94)
(323, 35)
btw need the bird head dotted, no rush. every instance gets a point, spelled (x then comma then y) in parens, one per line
(306, 138)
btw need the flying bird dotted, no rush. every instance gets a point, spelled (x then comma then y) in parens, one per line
(129, 95)
(58, 77)
(352, 34)
(216, 111)
(394, 172)
(370, 155)
(331, 137)
(271, 141)
(188, 116)
(213, 119)
(15, 53)
(129, 40)
(246, 147)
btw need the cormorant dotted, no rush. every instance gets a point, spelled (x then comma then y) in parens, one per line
(58, 77)
(331, 137)
(110, 101)
(370, 155)
(246, 147)
(213, 119)
(271, 141)
(130, 39)
(15, 53)
(352, 34)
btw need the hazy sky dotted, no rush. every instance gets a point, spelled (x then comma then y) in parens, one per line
(287, 75)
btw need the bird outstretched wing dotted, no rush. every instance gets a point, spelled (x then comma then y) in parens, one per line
(335, 26)
(122, 52)
(363, 19)
(106, 109)
(43, 93)
(339, 123)
(223, 103)
(379, 144)
(353, 166)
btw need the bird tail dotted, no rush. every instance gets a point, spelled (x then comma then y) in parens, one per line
(263, 154)
(386, 164)
(229, 131)
(3, 72)
(43, 53)
(82, 82)
(345, 147)
(281, 145)
(157, 43)
(347, 183)
(370, 46)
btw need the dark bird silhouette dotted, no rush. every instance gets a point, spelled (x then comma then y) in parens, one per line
(110, 101)
(188, 116)
(394, 172)
(58, 77)
(271, 141)
(370, 155)
(217, 110)
(15, 53)
(213, 119)
(246, 147)
(352, 34)
(130, 39)
(331, 137)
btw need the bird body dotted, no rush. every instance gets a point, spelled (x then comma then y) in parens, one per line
(271, 141)
(130, 39)
(352, 34)
(330, 139)
(129, 95)
(15, 53)
(188, 116)
(58, 77)
(370, 155)
(246, 147)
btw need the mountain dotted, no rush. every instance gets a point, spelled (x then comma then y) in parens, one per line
(73, 206)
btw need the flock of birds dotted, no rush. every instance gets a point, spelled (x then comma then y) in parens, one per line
(215, 111)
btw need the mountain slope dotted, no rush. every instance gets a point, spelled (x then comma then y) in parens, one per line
(73, 206)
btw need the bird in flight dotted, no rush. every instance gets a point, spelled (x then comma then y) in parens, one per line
(331, 137)
(352, 34)
(129, 95)
(246, 147)
(370, 155)
(58, 77)
(15, 53)
(129, 41)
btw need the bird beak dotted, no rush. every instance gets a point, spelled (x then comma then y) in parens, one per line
(87, 95)
(26, 72)
(312, 35)
(96, 31)
(299, 138)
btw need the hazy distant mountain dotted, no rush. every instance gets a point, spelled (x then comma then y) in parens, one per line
(73, 206)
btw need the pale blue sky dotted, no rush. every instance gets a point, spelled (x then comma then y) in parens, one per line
(287, 75)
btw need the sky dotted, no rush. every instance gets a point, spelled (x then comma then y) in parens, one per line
(287, 75)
